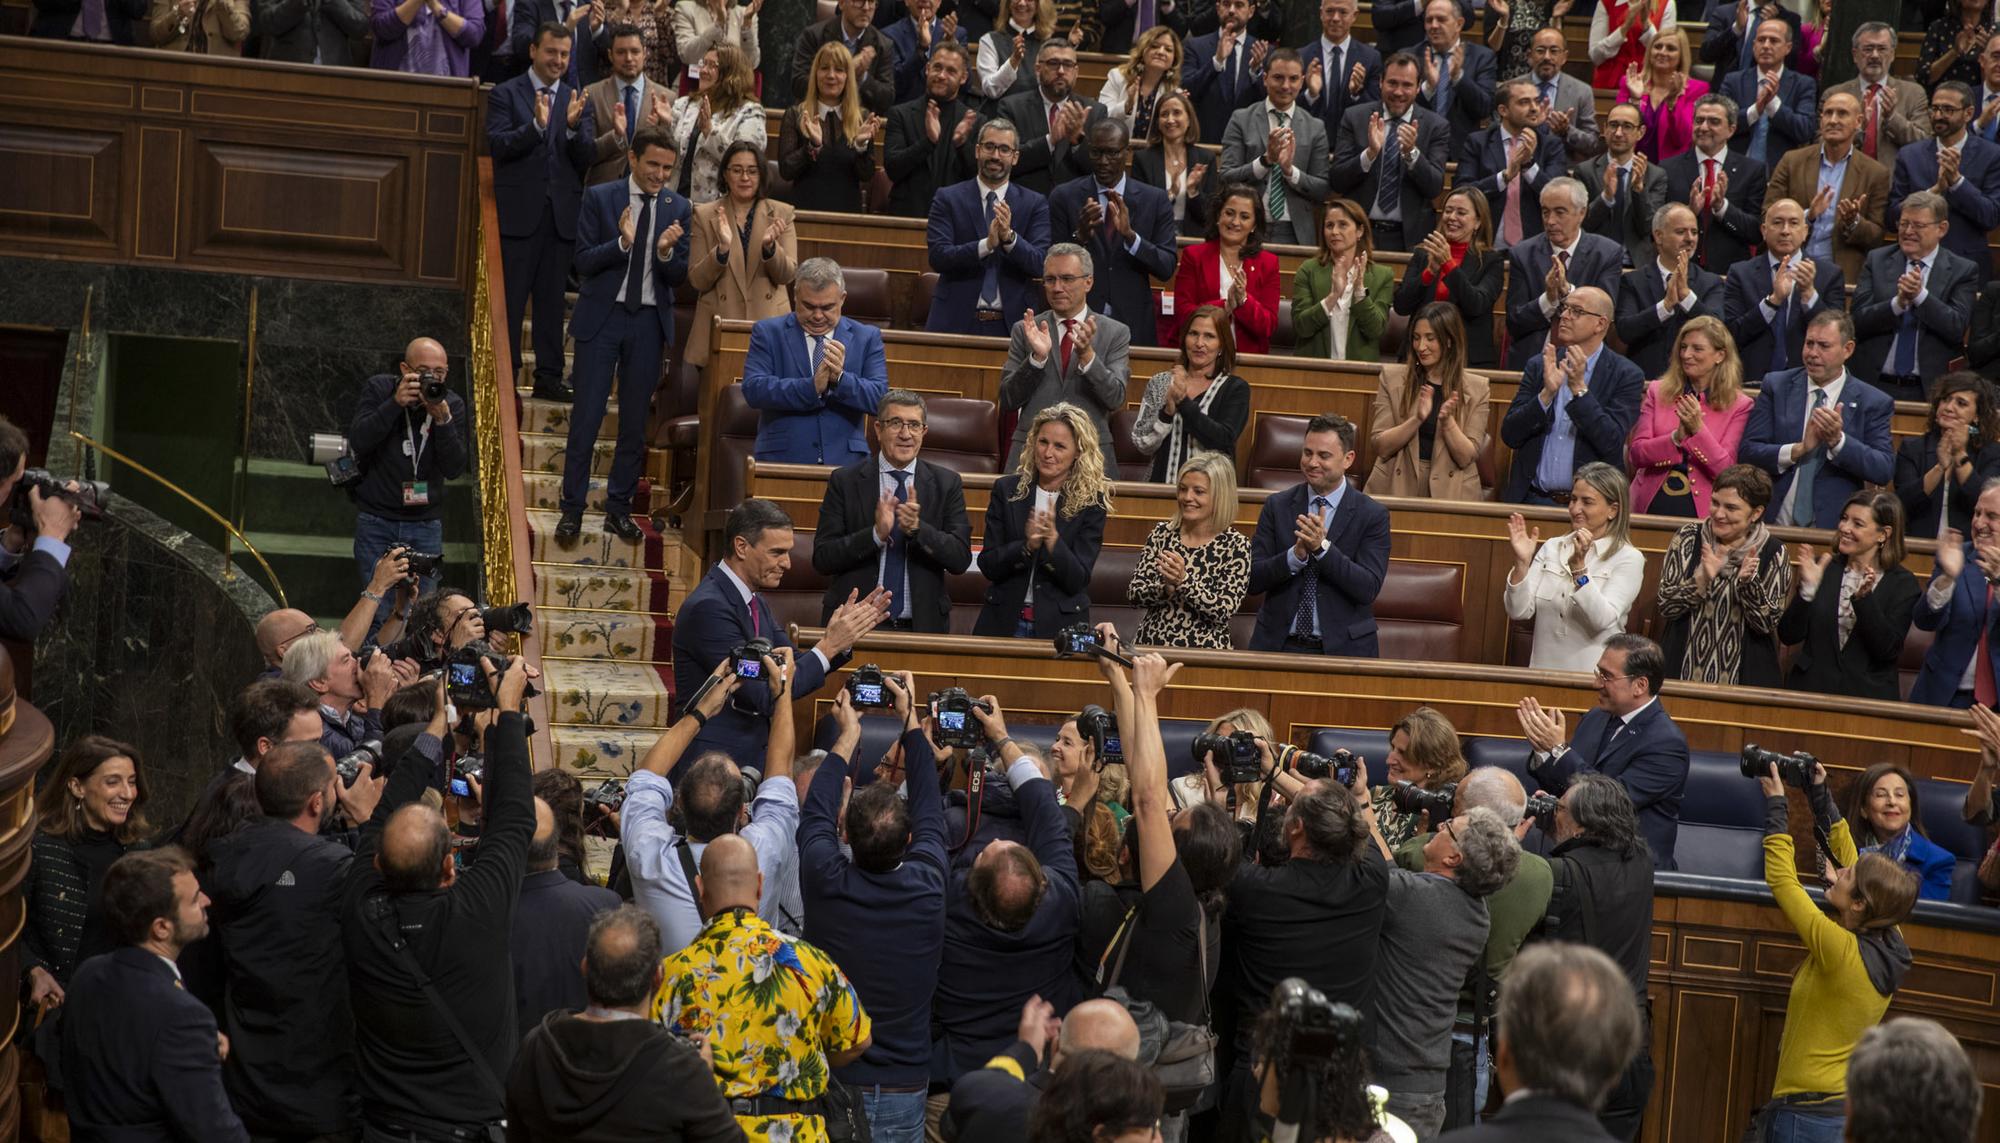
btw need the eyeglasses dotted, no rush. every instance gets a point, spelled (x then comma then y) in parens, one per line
(1065, 279)
(997, 148)
(743, 172)
(1450, 832)
(1914, 224)
(901, 425)
(1056, 65)
(1604, 676)
(1571, 309)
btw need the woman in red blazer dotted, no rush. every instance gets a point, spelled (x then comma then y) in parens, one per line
(1235, 246)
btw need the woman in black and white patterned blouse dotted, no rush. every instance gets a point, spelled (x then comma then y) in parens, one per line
(1195, 569)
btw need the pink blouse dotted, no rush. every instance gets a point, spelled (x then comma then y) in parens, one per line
(1652, 454)
(1669, 130)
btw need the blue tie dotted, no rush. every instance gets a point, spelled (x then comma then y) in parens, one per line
(1306, 623)
(1749, 36)
(1389, 188)
(989, 288)
(895, 556)
(1441, 98)
(631, 111)
(1760, 136)
(1808, 472)
(1905, 364)
(819, 352)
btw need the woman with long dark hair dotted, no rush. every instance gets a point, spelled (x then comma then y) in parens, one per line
(1231, 269)
(91, 813)
(743, 252)
(1456, 264)
(1852, 610)
(1939, 474)
(1430, 418)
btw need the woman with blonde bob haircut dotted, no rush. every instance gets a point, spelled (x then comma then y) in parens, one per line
(1205, 784)
(1690, 423)
(1195, 569)
(1044, 528)
(1430, 414)
(1578, 587)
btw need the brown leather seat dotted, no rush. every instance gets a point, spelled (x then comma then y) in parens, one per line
(968, 594)
(1274, 451)
(1420, 613)
(964, 434)
(735, 441)
(1915, 646)
(1110, 578)
(867, 295)
(775, 184)
(800, 595)
(1283, 339)
(676, 406)
(920, 302)
(1393, 332)
(1132, 464)
(878, 192)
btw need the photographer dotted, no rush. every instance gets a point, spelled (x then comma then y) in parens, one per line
(441, 621)
(408, 437)
(283, 626)
(32, 560)
(994, 1104)
(1311, 1072)
(323, 664)
(427, 965)
(661, 853)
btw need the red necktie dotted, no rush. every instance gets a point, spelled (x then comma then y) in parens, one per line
(1874, 116)
(756, 619)
(1983, 690)
(1067, 344)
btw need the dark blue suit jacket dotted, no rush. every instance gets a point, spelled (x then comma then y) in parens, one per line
(1334, 99)
(1778, 418)
(1796, 122)
(139, 1055)
(1123, 281)
(1350, 572)
(1061, 575)
(1648, 340)
(796, 424)
(1598, 261)
(712, 621)
(1483, 161)
(1942, 317)
(1472, 89)
(910, 57)
(586, 51)
(1958, 625)
(521, 178)
(1649, 757)
(1603, 417)
(1974, 202)
(603, 266)
(1743, 294)
(1217, 96)
(957, 224)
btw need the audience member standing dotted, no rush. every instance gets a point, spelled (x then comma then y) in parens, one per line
(1958, 166)
(1126, 226)
(1006, 54)
(1224, 69)
(90, 21)
(1569, 107)
(304, 33)
(1844, 192)
(1779, 105)
(588, 24)
(1769, 299)
(1194, 570)
(1852, 610)
(1391, 156)
(1958, 606)
(1913, 302)
(1626, 188)
(721, 111)
(1676, 451)
(874, 56)
(1050, 119)
(1460, 78)
(1200, 405)
(1171, 162)
(1340, 296)
(1578, 587)
(400, 499)
(1320, 554)
(1231, 270)
(1547, 268)
(1725, 188)
(930, 139)
(814, 375)
(1820, 431)
(1621, 31)
(622, 103)
(1456, 264)
(826, 144)
(1723, 586)
(1731, 41)
(1576, 402)
(551, 921)
(1274, 144)
(986, 265)
(703, 24)
(1894, 111)
(1066, 355)
(1044, 527)
(214, 28)
(1348, 71)
(1665, 96)
(1939, 474)
(431, 37)
(1952, 43)
(1133, 90)
(1430, 414)
(1511, 161)
(744, 253)
(913, 37)
(1657, 301)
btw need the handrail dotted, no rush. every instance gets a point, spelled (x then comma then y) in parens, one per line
(228, 569)
(510, 571)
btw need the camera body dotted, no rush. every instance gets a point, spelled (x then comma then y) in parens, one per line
(1099, 727)
(1311, 1026)
(1541, 808)
(1235, 756)
(423, 565)
(608, 795)
(465, 681)
(1341, 767)
(471, 766)
(1793, 769)
(1077, 639)
(749, 658)
(89, 497)
(1438, 804)
(364, 753)
(952, 707)
(866, 688)
(514, 619)
(433, 383)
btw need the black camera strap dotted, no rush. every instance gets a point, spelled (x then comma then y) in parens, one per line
(685, 852)
(975, 790)
(383, 912)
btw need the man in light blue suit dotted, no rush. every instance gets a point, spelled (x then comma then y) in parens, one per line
(986, 237)
(814, 376)
(1959, 606)
(1820, 431)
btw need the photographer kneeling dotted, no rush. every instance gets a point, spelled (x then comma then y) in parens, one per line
(33, 554)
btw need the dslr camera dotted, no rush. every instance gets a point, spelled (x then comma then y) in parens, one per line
(1341, 767)
(423, 565)
(331, 452)
(1541, 808)
(1235, 756)
(88, 496)
(469, 766)
(749, 658)
(1438, 804)
(952, 707)
(433, 383)
(514, 619)
(865, 687)
(364, 753)
(1311, 1027)
(465, 682)
(1099, 727)
(1079, 639)
(1793, 769)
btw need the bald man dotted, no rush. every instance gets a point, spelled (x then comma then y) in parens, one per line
(994, 1103)
(409, 437)
(551, 928)
(279, 629)
(1575, 404)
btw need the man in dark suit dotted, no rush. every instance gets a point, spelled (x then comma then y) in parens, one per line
(986, 239)
(551, 923)
(1958, 606)
(1657, 299)
(32, 563)
(1569, 107)
(1625, 190)
(591, 35)
(1913, 303)
(813, 375)
(1320, 554)
(1390, 156)
(1459, 75)
(913, 37)
(1972, 192)
(1341, 71)
(1065, 353)
(633, 236)
(1399, 24)
(300, 31)
(995, 1103)
(1768, 299)
(874, 56)
(1224, 70)
(896, 522)
(539, 129)
(930, 138)
(1050, 120)
(1779, 106)
(1627, 737)
(724, 612)
(1725, 189)
(1575, 404)
(1510, 162)
(141, 1057)
(1127, 226)
(1545, 269)
(89, 21)
(1731, 41)
(1820, 431)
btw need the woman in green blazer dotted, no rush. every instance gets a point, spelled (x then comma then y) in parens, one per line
(1340, 299)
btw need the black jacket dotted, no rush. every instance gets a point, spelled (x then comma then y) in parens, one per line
(844, 549)
(620, 1081)
(1866, 666)
(63, 927)
(1605, 901)
(551, 925)
(380, 436)
(54, 18)
(1474, 287)
(992, 1105)
(1916, 456)
(1060, 575)
(29, 595)
(1536, 1119)
(916, 166)
(297, 30)
(274, 905)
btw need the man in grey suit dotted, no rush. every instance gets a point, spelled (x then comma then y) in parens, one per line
(1893, 111)
(1066, 353)
(1569, 107)
(1270, 144)
(1390, 157)
(1625, 190)
(1913, 303)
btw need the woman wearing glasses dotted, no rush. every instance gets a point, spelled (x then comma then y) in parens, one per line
(1579, 586)
(743, 250)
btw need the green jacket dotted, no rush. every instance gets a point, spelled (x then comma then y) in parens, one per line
(1311, 329)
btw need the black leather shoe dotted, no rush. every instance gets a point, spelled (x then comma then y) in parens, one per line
(569, 527)
(554, 391)
(620, 524)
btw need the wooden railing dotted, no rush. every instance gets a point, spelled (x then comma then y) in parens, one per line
(27, 741)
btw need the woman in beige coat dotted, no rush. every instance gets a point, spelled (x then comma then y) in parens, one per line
(1430, 414)
(204, 27)
(743, 250)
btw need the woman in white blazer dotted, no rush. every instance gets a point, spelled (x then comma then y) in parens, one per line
(1579, 586)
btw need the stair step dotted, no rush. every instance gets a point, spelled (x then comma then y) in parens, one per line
(543, 490)
(593, 546)
(596, 752)
(607, 693)
(630, 636)
(601, 588)
(552, 417)
(545, 452)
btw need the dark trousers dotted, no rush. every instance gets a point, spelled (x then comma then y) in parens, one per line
(628, 345)
(1625, 1108)
(537, 267)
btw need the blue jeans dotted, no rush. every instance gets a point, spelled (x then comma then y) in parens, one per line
(1805, 1124)
(1482, 1074)
(894, 1116)
(374, 535)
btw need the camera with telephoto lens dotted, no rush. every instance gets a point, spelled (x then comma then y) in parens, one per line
(749, 658)
(433, 382)
(1311, 1027)
(952, 707)
(865, 687)
(1099, 727)
(367, 753)
(423, 565)
(88, 496)
(1077, 639)
(1235, 756)
(1341, 767)
(1410, 798)
(514, 619)
(1541, 808)
(1793, 769)
(471, 767)
(608, 795)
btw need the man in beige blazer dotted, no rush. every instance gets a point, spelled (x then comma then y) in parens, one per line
(1844, 223)
(1901, 112)
(621, 103)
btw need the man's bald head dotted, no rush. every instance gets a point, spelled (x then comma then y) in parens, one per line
(730, 878)
(416, 851)
(424, 352)
(278, 628)
(1494, 788)
(1103, 1025)
(542, 848)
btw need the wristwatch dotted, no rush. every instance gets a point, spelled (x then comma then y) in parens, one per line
(1582, 580)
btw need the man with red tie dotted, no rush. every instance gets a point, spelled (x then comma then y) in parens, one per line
(1959, 605)
(1894, 111)
(1725, 187)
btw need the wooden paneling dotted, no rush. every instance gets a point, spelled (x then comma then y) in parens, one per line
(116, 155)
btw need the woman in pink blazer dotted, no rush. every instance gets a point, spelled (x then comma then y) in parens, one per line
(1665, 95)
(1690, 423)
(1230, 269)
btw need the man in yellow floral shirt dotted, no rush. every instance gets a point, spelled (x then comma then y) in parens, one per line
(777, 1013)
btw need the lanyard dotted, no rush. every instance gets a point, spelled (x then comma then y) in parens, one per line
(418, 442)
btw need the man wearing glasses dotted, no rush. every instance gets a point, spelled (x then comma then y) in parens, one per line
(814, 375)
(1959, 165)
(1894, 111)
(1065, 353)
(1914, 300)
(986, 237)
(895, 521)
(1051, 121)
(1576, 403)
(1127, 226)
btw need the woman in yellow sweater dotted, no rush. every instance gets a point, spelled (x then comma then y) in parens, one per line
(1854, 961)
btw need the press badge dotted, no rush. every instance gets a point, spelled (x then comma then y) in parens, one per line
(416, 493)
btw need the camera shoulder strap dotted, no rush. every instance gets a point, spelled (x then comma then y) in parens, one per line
(975, 789)
(383, 913)
(685, 852)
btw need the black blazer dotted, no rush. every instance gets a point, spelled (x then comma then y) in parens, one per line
(916, 166)
(1350, 572)
(1648, 340)
(1149, 166)
(139, 1055)
(1866, 667)
(1743, 294)
(300, 31)
(1061, 576)
(1473, 287)
(1982, 346)
(1041, 164)
(1731, 233)
(844, 548)
(832, 179)
(1535, 1119)
(54, 18)
(1914, 457)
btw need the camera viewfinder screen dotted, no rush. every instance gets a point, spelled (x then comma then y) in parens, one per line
(868, 692)
(748, 668)
(464, 674)
(951, 719)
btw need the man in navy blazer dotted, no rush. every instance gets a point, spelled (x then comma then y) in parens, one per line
(1224, 70)
(1627, 737)
(1547, 268)
(633, 252)
(986, 257)
(726, 610)
(1820, 431)
(1958, 606)
(813, 375)
(1320, 554)
(1913, 303)
(141, 1057)
(1513, 159)
(1767, 311)
(1657, 299)
(1731, 38)
(1973, 197)
(913, 46)
(540, 132)
(1397, 173)
(1399, 24)
(1460, 76)
(1341, 71)
(592, 45)
(1576, 404)
(1779, 106)
(1127, 226)
(1725, 188)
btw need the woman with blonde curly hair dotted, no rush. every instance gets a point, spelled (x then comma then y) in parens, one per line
(1205, 784)
(1423, 751)
(1044, 526)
